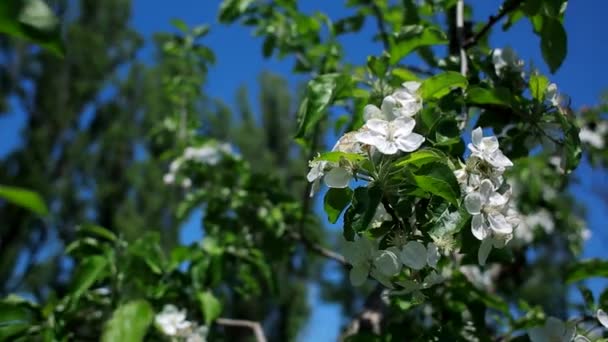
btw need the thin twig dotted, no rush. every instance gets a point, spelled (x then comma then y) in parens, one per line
(418, 70)
(464, 63)
(256, 327)
(380, 22)
(389, 209)
(506, 8)
(318, 248)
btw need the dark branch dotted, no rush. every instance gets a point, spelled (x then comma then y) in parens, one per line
(318, 249)
(254, 326)
(507, 7)
(380, 22)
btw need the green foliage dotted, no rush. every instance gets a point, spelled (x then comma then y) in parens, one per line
(320, 93)
(32, 20)
(24, 198)
(436, 87)
(335, 201)
(412, 222)
(129, 322)
(412, 37)
(587, 269)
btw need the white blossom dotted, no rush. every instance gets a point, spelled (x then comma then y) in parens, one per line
(483, 280)
(169, 178)
(404, 102)
(186, 183)
(415, 256)
(366, 259)
(487, 208)
(171, 321)
(389, 137)
(595, 137)
(486, 148)
(334, 176)
(552, 95)
(506, 59)
(602, 317)
(554, 330)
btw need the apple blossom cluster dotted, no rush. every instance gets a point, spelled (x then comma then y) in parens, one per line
(367, 260)
(596, 136)
(506, 60)
(172, 323)
(210, 154)
(486, 195)
(387, 130)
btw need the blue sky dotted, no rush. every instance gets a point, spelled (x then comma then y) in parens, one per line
(583, 76)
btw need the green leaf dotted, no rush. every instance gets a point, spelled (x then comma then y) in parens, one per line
(440, 85)
(538, 86)
(230, 10)
(404, 75)
(412, 37)
(483, 96)
(32, 20)
(148, 249)
(97, 232)
(422, 157)
(587, 269)
(378, 65)
(90, 270)
(129, 322)
(337, 156)
(335, 201)
(321, 92)
(553, 43)
(180, 25)
(16, 316)
(24, 198)
(587, 297)
(438, 179)
(211, 307)
(362, 209)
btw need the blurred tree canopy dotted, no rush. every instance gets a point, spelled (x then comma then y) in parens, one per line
(117, 154)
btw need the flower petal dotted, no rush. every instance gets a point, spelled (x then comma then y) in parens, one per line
(472, 202)
(484, 250)
(403, 126)
(414, 255)
(489, 144)
(387, 263)
(499, 224)
(378, 126)
(338, 177)
(486, 188)
(602, 317)
(409, 143)
(386, 147)
(372, 112)
(476, 136)
(432, 254)
(389, 104)
(478, 227)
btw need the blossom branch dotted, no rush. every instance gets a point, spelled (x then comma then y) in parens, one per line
(507, 7)
(254, 326)
(318, 249)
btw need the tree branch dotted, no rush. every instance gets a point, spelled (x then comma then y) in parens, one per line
(380, 22)
(506, 8)
(464, 63)
(254, 326)
(318, 249)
